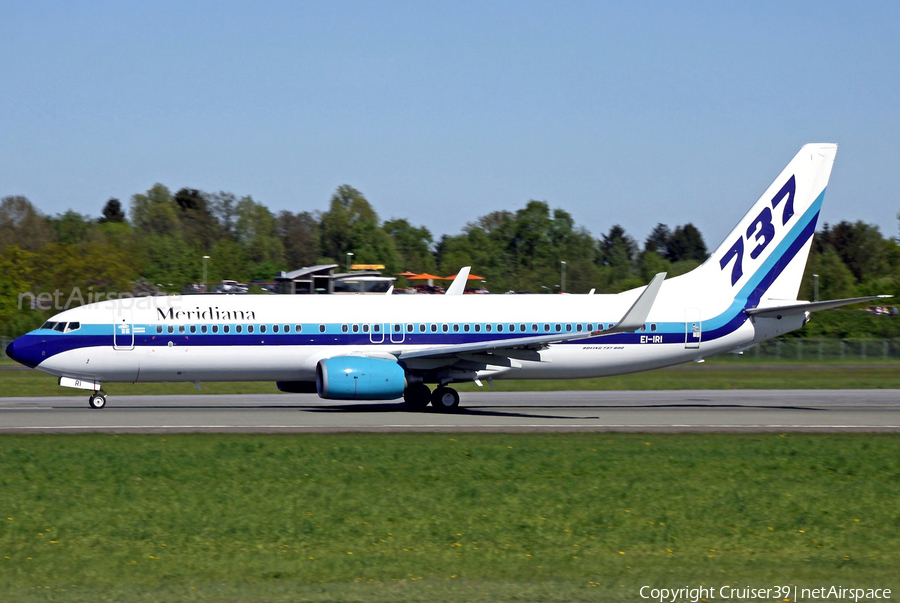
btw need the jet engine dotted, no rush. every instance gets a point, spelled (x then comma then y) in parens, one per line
(359, 378)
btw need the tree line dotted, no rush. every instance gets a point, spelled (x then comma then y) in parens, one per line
(158, 241)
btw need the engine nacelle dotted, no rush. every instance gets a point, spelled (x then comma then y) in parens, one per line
(360, 378)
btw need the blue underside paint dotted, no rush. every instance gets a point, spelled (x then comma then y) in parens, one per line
(33, 348)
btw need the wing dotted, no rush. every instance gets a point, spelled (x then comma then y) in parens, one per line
(504, 352)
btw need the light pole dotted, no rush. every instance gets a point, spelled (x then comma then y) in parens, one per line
(349, 257)
(562, 276)
(815, 287)
(206, 257)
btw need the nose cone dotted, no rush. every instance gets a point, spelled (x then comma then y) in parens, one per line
(18, 351)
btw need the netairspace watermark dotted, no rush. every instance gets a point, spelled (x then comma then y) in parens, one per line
(771, 593)
(61, 300)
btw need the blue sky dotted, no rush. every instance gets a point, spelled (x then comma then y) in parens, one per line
(631, 113)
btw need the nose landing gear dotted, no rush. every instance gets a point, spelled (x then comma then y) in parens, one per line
(97, 399)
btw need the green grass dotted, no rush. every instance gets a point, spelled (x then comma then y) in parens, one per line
(706, 376)
(477, 517)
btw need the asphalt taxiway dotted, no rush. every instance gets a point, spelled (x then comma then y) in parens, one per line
(657, 411)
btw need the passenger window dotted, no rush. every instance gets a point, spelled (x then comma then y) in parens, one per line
(546, 328)
(287, 328)
(455, 328)
(298, 328)
(321, 328)
(578, 327)
(203, 328)
(238, 329)
(488, 328)
(376, 328)
(445, 328)
(558, 327)
(653, 327)
(159, 328)
(274, 328)
(181, 328)
(365, 328)
(534, 328)
(262, 328)
(226, 329)
(215, 328)
(522, 328)
(421, 327)
(410, 328)
(499, 328)
(171, 329)
(568, 327)
(477, 328)
(193, 328)
(590, 326)
(344, 329)
(433, 328)
(355, 328)
(249, 329)
(466, 327)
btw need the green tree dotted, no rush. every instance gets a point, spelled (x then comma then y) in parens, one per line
(686, 243)
(22, 225)
(835, 279)
(351, 225)
(299, 236)
(860, 246)
(155, 211)
(198, 224)
(112, 212)
(256, 232)
(72, 227)
(413, 245)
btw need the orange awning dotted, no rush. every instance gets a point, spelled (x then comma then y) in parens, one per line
(472, 277)
(424, 277)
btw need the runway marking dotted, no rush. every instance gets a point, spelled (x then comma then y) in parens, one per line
(453, 426)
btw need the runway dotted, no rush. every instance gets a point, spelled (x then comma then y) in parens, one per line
(652, 411)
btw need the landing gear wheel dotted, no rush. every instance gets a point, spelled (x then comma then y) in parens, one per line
(417, 396)
(97, 400)
(445, 399)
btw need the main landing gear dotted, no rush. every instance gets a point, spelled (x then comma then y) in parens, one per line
(443, 399)
(97, 399)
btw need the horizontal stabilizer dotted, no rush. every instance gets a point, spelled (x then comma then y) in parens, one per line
(799, 308)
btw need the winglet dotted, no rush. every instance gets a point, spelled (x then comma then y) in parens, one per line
(458, 286)
(636, 316)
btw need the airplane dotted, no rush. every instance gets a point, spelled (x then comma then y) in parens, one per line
(388, 347)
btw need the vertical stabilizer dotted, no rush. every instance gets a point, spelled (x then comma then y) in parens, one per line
(765, 255)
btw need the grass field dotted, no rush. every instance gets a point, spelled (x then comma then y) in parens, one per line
(472, 517)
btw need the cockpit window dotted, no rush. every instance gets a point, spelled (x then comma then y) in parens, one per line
(60, 326)
(48, 325)
(73, 326)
